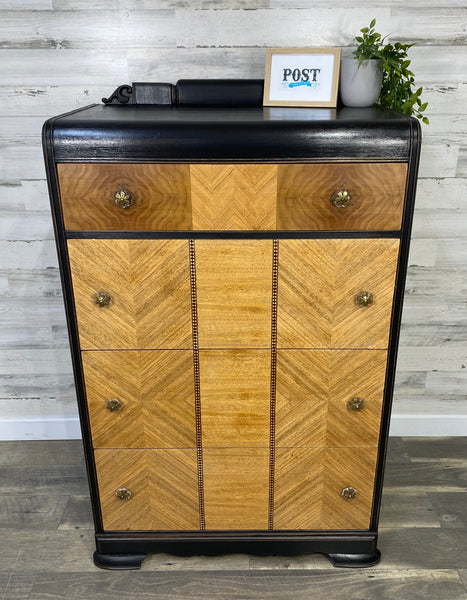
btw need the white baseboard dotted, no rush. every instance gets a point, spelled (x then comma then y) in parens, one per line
(68, 428)
(408, 425)
(40, 428)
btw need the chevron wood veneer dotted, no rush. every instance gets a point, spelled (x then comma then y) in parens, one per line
(346, 467)
(149, 283)
(309, 482)
(318, 282)
(231, 196)
(236, 488)
(313, 391)
(163, 485)
(377, 193)
(234, 286)
(156, 389)
(302, 397)
(298, 489)
(160, 195)
(355, 374)
(235, 197)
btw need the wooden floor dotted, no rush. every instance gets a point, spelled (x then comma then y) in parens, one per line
(46, 538)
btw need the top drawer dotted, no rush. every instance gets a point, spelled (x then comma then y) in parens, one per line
(232, 197)
(125, 196)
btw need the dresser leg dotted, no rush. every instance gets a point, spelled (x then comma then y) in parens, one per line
(355, 560)
(118, 561)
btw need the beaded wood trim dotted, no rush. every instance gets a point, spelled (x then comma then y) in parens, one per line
(272, 430)
(194, 321)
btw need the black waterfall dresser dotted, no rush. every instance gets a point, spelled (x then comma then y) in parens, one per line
(233, 279)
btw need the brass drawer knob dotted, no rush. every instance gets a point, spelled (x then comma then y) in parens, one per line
(123, 493)
(113, 404)
(123, 199)
(356, 404)
(349, 493)
(363, 299)
(102, 299)
(341, 198)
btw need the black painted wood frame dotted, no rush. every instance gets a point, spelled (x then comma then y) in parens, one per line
(399, 141)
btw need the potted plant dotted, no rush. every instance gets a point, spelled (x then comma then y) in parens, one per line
(392, 88)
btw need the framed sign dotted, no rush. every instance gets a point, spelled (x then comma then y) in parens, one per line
(301, 76)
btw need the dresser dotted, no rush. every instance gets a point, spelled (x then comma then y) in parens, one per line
(233, 279)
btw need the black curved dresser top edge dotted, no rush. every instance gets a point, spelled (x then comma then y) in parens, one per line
(187, 129)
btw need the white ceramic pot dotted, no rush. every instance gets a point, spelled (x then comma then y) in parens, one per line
(360, 86)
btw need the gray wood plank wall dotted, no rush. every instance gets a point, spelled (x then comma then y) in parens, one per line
(56, 55)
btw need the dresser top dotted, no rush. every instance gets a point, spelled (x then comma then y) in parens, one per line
(204, 133)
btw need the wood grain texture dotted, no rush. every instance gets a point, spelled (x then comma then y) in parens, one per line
(250, 31)
(236, 485)
(308, 485)
(235, 397)
(163, 484)
(302, 397)
(160, 195)
(234, 197)
(89, 29)
(313, 391)
(275, 580)
(318, 282)
(346, 467)
(47, 375)
(39, 453)
(298, 491)
(149, 283)
(364, 266)
(377, 196)
(305, 293)
(31, 512)
(355, 374)
(156, 390)
(234, 285)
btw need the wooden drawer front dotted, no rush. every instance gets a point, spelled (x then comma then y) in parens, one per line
(160, 196)
(234, 288)
(305, 196)
(149, 285)
(319, 281)
(234, 197)
(235, 397)
(309, 484)
(314, 389)
(141, 398)
(227, 197)
(163, 486)
(236, 488)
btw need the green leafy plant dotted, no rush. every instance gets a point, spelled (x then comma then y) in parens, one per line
(397, 92)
